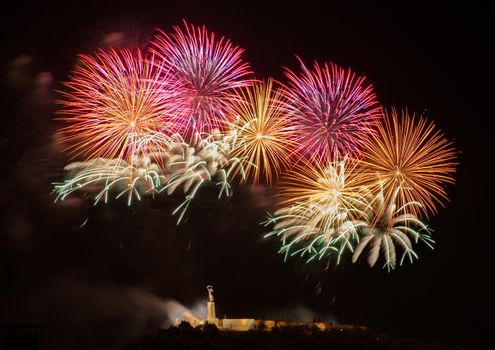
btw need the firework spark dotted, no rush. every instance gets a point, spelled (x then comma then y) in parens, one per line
(385, 226)
(207, 160)
(207, 69)
(410, 153)
(117, 105)
(322, 208)
(186, 113)
(103, 176)
(334, 111)
(264, 126)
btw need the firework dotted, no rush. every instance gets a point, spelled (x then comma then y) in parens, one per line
(263, 124)
(411, 154)
(386, 226)
(322, 209)
(208, 159)
(334, 111)
(186, 113)
(104, 176)
(117, 105)
(338, 184)
(207, 69)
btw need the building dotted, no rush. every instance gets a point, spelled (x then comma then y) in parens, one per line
(246, 324)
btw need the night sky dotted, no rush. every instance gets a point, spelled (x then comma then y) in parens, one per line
(100, 276)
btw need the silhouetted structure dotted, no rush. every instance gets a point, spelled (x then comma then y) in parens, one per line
(247, 324)
(20, 336)
(207, 336)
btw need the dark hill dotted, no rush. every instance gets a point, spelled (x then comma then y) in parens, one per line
(291, 338)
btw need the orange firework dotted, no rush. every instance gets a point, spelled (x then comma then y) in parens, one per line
(411, 153)
(263, 130)
(321, 209)
(116, 106)
(337, 185)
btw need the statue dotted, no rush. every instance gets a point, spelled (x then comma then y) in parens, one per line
(210, 293)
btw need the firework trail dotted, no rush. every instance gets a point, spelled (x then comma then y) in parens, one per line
(185, 167)
(103, 176)
(208, 159)
(386, 226)
(206, 69)
(321, 210)
(118, 104)
(334, 111)
(409, 153)
(264, 126)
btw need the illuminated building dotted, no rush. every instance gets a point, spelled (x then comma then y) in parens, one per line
(246, 324)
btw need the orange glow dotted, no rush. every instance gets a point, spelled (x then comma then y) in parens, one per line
(411, 153)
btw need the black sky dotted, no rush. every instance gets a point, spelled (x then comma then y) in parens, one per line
(95, 285)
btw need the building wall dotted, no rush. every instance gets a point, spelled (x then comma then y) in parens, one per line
(236, 324)
(246, 324)
(268, 325)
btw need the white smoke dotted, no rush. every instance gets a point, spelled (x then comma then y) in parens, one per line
(300, 313)
(177, 311)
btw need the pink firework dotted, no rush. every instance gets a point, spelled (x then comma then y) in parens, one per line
(116, 105)
(207, 69)
(334, 111)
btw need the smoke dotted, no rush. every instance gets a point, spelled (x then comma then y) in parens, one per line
(175, 310)
(75, 311)
(300, 313)
(114, 39)
(18, 76)
(303, 314)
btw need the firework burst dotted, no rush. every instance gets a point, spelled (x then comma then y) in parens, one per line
(411, 154)
(186, 114)
(117, 105)
(387, 226)
(104, 176)
(322, 209)
(206, 69)
(263, 125)
(334, 111)
(208, 159)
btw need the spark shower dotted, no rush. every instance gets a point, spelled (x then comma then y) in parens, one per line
(186, 110)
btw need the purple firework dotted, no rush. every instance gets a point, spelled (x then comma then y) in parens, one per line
(206, 69)
(334, 111)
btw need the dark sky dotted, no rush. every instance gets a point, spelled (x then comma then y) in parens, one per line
(97, 276)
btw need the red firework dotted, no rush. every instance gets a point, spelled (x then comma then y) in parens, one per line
(117, 105)
(207, 69)
(334, 111)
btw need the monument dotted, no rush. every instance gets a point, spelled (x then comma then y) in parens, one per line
(246, 324)
(241, 324)
(211, 317)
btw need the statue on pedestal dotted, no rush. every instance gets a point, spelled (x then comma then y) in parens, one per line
(211, 316)
(210, 293)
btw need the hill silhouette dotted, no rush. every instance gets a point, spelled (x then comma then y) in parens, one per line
(209, 337)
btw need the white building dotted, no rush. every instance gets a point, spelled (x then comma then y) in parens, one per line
(246, 324)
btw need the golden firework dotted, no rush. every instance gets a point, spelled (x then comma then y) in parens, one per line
(411, 153)
(263, 131)
(116, 105)
(321, 209)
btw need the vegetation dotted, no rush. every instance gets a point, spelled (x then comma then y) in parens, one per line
(208, 337)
